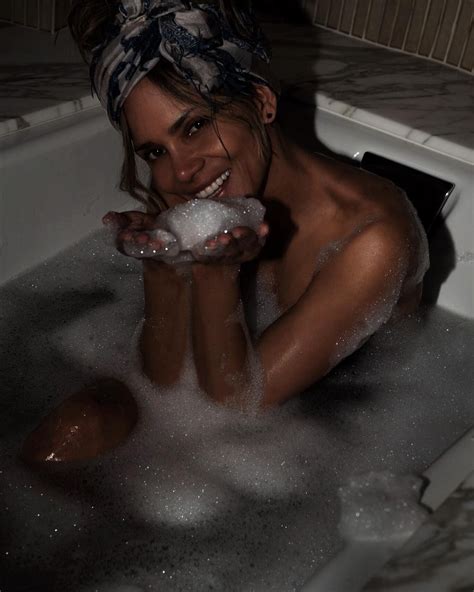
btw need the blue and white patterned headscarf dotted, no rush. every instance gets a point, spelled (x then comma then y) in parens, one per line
(195, 38)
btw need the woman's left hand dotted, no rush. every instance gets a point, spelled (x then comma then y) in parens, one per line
(238, 245)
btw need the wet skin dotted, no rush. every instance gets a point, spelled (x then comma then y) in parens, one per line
(342, 255)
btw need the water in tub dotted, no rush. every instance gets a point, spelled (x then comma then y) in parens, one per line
(202, 497)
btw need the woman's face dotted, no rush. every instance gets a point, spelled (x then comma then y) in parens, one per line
(186, 157)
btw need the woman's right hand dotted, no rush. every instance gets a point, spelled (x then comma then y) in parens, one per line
(138, 235)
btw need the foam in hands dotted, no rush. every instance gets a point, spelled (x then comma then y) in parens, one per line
(198, 220)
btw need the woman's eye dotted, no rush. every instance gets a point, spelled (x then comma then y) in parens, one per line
(196, 126)
(153, 154)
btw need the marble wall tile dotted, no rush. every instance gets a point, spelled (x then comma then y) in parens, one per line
(62, 11)
(419, 14)
(390, 14)
(348, 14)
(441, 42)
(48, 15)
(32, 13)
(461, 35)
(335, 14)
(321, 15)
(361, 18)
(375, 18)
(402, 23)
(467, 61)
(26, 12)
(433, 21)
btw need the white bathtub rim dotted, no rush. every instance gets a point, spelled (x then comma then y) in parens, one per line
(320, 100)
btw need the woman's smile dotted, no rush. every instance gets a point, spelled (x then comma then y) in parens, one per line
(214, 188)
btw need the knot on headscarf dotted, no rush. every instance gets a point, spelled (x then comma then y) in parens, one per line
(195, 38)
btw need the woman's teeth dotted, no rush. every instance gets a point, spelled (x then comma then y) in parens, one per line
(215, 186)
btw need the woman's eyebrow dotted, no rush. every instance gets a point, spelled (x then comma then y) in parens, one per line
(174, 127)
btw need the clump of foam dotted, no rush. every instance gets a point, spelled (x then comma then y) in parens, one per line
(197, 220)
(466, 257)
(186, 227)
(119, 587)
(380, 507)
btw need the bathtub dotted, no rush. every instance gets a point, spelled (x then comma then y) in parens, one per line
(57, 179)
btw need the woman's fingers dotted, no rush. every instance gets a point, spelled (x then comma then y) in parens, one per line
(235, 246)
(263, 230)
(132, 219)
(139, 244)
(157, 244)
(136, 235)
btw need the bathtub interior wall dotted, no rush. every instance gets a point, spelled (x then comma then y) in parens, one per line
(56, 182)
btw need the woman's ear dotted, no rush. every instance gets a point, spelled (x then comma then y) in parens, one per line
(266, 103)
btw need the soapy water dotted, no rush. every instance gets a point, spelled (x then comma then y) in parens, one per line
(381, 507)
(202, 497)
(187, 226)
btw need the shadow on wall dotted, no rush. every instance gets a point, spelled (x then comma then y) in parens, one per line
(297, 119)
(287, 11)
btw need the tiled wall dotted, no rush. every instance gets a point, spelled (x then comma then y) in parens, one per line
(47, 15)
(442, 30)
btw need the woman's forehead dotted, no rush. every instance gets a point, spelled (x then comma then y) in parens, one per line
(149, 96)
(149, 106)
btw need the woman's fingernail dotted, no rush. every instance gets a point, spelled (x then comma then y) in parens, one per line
(109, 218)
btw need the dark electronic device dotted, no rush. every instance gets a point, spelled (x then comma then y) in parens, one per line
(427, 193)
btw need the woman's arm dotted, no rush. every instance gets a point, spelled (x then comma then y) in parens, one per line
(346, 302)
(165, 333)
(220, 336)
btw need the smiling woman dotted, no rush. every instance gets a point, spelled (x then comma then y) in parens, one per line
(193, 112)
(340, 251)
(188, 149)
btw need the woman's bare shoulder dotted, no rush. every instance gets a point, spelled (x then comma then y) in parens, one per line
(354, 182)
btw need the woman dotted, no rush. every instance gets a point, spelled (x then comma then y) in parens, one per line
(189, 87)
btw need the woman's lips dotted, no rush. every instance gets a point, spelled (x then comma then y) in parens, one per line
(214, 188)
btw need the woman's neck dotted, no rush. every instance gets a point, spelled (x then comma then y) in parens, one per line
(289, 173)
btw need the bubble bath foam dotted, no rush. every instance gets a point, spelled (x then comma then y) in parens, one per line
(200, 496)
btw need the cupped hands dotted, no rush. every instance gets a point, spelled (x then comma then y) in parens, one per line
(139, 235)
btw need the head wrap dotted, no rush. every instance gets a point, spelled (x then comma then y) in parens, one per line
(195, 38)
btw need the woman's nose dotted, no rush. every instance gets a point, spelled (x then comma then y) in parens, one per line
(186, 167)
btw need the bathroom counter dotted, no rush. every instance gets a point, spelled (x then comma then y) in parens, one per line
(402, 95)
